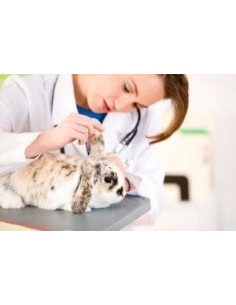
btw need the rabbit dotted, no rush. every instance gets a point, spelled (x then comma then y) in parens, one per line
(71, 183)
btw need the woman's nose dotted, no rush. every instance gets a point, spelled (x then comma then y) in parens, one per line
(122, 103)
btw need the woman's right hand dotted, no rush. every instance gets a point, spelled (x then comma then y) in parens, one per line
(74, 127)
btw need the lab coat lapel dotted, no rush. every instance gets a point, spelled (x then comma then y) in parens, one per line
(64, 104)
(64, 100)
(39, 106)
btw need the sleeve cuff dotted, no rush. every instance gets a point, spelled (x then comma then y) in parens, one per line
(13, 150)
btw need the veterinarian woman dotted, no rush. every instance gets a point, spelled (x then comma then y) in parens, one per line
(43, 113)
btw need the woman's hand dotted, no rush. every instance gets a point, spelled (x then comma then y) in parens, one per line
(74, 127)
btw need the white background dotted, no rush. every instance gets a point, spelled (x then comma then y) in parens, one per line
(119, 37)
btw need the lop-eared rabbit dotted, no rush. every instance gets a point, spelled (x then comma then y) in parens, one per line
(58, 181)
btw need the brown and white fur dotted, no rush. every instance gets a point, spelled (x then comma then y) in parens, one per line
(65, 182)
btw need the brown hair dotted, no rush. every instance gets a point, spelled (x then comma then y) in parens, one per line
(177, 90)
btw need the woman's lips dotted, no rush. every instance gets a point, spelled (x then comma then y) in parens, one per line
(105, 107)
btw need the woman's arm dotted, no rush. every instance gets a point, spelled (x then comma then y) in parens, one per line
(18, 144)
(74, 127)
(13, 144)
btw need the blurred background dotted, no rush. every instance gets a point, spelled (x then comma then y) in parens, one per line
(200, 159)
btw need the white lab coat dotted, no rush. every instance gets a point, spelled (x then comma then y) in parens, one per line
(32, 104)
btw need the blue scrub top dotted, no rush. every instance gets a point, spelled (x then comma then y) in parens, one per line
(99, 116)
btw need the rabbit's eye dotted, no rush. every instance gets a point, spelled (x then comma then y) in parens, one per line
(108, 179)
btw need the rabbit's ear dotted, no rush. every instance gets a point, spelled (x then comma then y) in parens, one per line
(82, 197)
(96, 146)
(83, 191)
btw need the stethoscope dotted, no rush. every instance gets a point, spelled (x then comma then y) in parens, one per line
(128, 138)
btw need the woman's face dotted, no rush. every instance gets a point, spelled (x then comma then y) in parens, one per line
(103, 93)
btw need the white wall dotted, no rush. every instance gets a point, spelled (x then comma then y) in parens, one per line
(214, 96)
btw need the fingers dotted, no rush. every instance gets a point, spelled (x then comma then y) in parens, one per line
(81, 138)
(89, 123)
(74, 127)
(86, 125)
(82, 130)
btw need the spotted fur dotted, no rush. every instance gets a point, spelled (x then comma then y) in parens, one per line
(65, 182)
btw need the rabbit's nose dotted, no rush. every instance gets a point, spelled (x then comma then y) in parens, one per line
(120, 191)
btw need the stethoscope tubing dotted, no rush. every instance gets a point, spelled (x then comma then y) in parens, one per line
(128, 138)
